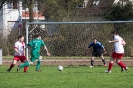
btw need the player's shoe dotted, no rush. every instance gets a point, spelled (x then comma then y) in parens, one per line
(122, 69)
(105, 65)
(18, 68)
(106, 71)
(8, 70)
(91, 66)
(38, 70)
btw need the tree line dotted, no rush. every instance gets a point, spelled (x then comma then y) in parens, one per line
(72, 40)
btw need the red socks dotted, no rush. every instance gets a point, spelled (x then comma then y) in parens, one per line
(121, 65)
(25, 68)
(110, 66)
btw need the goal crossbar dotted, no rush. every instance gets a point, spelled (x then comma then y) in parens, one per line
(89, 22)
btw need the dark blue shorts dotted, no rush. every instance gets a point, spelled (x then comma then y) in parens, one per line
(97, 53)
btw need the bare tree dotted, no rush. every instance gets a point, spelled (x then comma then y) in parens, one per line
(30, 4)
(2, 3)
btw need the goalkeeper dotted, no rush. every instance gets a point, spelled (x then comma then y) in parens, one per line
(35, 46)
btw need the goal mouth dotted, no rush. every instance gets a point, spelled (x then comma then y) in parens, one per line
(72, 38)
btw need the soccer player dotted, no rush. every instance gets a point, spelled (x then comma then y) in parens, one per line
(35, 46)
(19, 49)
(98, 49)
(117, 53)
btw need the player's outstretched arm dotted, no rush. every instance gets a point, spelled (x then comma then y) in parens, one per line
(89, 46)
(28, 46)
(113, 41)
(47, 51)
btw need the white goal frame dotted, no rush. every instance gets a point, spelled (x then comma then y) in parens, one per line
(90, 22)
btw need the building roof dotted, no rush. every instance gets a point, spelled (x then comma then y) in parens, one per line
(36, 15)
(96, 9)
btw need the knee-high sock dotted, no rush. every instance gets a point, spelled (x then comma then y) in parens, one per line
(110, 66)
(92, 62)
(122, 65)
(11, 66)
(103, 60)
(25, 68)
(24, 64)
(38, 64)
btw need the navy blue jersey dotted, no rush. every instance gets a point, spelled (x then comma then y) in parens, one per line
(96, 47)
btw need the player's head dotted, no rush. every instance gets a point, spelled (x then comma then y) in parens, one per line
(38, 36)
(95, 40)
(21, 38)
(114, 33)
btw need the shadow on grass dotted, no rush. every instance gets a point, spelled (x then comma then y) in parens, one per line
(11, 72)
(72, 66)
(85, 72)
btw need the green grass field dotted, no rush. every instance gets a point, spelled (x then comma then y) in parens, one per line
(70, 77)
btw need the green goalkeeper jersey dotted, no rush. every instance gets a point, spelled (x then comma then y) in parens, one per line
(36, 44)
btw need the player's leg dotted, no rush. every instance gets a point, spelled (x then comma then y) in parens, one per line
(110, 66)
(121, 64)
(12, 65)
(103, 60)
(15, 60)
(92, 61)
(94, 54)
(25, 68)
(38, 63)
(111, 63)
(24, 65)
(35, 55)
(100, 54)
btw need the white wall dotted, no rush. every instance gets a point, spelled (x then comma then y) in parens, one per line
(11, 18)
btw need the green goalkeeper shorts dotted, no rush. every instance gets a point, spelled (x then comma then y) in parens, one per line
(34, 55)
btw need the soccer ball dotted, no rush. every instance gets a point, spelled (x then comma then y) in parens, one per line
(60, 68)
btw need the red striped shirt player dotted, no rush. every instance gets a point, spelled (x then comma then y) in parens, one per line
(19, 55)
(118, 52)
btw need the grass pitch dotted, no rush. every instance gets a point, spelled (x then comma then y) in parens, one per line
(70, 77)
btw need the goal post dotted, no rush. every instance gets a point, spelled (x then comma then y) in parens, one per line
(0, 56)
(69, 23)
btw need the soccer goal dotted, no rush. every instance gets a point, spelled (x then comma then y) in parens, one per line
(72, 38)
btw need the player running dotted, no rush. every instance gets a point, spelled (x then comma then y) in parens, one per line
(117, 53)
(19, 49)
(98, 49)
(35, 45)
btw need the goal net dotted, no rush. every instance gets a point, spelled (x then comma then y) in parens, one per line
(72, 38)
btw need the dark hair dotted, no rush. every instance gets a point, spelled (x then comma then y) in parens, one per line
(114, 32)
(37, 35)
(20, 36)
(94, 38)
